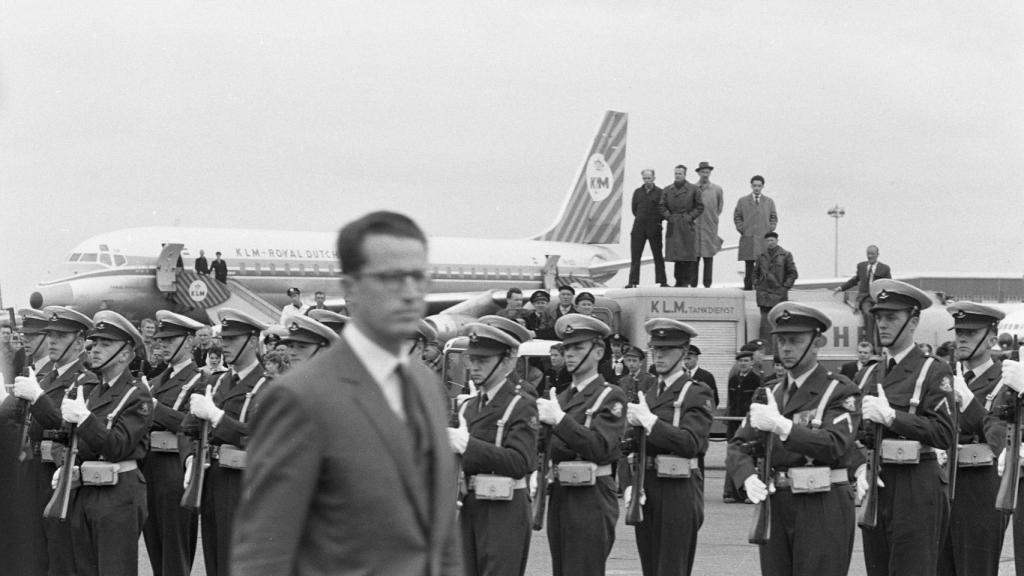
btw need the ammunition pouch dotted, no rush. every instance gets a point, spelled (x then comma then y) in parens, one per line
(668, 466)
(901, 451)
(229, 456)
(494, 487)
(974, 455)
(100, 473)
(163, 441)
(580, 472)
(51, 451)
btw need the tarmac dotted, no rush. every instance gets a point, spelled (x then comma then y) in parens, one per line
(722, 548)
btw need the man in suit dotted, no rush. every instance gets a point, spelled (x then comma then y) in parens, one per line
(646, 228)
(220, 269)
(864, 352)
(699, 374)
(754, 217)
(350, 468)
(867, 272)
(202, 264)
(681, 206)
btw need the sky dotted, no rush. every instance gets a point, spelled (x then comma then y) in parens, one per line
(474, 116)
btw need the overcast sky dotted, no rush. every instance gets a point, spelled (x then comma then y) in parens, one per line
(472, 117)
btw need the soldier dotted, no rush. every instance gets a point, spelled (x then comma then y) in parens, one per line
(976, 527)
(812, 419)
(676, 420)
(109, 509)
(33, 331)
(586, 424)
(226, 406)
(306, 337)
(170, 531)
(425, 343)
(527, 385)
(44, 391)
(328, 318)
(497, 438)
(635, 380)
(913, 407)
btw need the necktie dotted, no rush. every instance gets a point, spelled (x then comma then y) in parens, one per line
(661, 386)
(415, 419)
(788, 395)
(968, 376)
(871, 273)
(891, 365)
(757, 200)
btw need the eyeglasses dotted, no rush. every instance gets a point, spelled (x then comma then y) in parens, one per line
(395, 279)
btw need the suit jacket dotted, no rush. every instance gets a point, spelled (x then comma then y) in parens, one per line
(332, 487)
(862, 279)
(46, 413)
(220, 270)
(741, 390)
(753, 221)
(681, 206)
(601, 442)
(646, 214)
(517, 456)
(850, 369)
(127, 438)
(230, 399)
(704, 377)
(202, 265)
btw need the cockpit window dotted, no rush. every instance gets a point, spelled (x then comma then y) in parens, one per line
(120, 260)
(89, 257)
(105, 258)
(75, 257)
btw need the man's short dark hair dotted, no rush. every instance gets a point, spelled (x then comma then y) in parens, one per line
(866, 343)
(384, 223)
(772, 235)
(757, 177)
(678, 166)
(567, 287)
(511, 291)
(218, 253)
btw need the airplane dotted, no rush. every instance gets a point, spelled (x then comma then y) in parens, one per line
(137, 271)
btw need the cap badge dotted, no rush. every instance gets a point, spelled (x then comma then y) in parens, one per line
(294, 327)
(960, 315)
(160, 325)
(473, 337)
(568, 329)
(55, 317)
(224, 322)
(101, 326)
(660, 333)
(883, 295)
(786, 316)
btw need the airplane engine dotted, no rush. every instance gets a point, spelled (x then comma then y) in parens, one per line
(449, 326)
(450, 322)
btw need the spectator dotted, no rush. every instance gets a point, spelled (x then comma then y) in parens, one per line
(865, 353)
(319, 298)
(220, 269)
(11, 362)
(708, 240)
(565, 296)
(945, 352)
(146, 362)
(214, 361)
(585, 303)
(539, 320)
(204, 340)
(514, 306)
(774, 275)
(274, 364)
(557, 375)
(646, 228)
(741, 391)
(293, 308)
(699, 374)
(754, 216)
(681, 206)
(925, 347)
(202, 264)
(1007, 343)
(778, 372)
(867, 272)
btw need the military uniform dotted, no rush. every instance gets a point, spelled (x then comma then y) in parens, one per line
(106, 520)
(913, 508)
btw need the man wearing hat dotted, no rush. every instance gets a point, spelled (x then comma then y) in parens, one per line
(542, 324)
(112, 425)
(425, 345)
(566, 294)
(698, 374)
(226, 405)
(680, 206)
(305, 337)
(910, 397)
(293, 308)
(329, 318)
(586, 424)
(41, 395)
(976, 527)
(811, 417)
(633, 381)
(675, 416)
(646, 229)
(520, 334)
(708, 240)
(743, 381)
(774, 275)
(497, 438)
(33, 332)
(170, 530)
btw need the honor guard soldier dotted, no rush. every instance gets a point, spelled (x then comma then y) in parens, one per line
(586, 423)
(306, 337)
(976, 527)
(674, 419)
(520, 334)
(910, 396)
(109, 509)
(635, 379)
(425, 346)
(811, 419)
(33, 332)
(171, 530)
(497, 438)
(40, 396)
(226, 406)
(329, 318)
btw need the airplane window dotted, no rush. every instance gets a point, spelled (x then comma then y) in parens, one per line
(89, 257)
(75, 257)
(120, 260)
(104, 248)
(105, 259)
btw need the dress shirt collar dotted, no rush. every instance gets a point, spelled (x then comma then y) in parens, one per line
(799, 380)
(244, 372)
(379, 362)
(64, 367)
(899, 356)
(978, 370)
(581, 386)
(177, 368)
(671, 378)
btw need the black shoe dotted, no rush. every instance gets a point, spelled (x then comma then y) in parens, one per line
(630, 285)
(728, 499)
(663, 285)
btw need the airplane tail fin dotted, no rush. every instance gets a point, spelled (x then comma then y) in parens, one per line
(592, 212)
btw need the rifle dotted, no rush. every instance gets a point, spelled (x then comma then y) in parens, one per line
(868, 516)
(57, 507)
(540, 499)
(22, 413)
(953, 452)
(635, 514)
(1006, 498)
(193, 497)
(761, 527)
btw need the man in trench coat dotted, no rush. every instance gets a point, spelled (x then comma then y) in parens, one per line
(681, 206)
(754, 217)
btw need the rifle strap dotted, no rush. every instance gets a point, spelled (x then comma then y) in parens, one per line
(823, 403)
(596, 406)
(992, 395)
(185, 390)
(677, 405)
(504, 420)
(915, 400)
(248, 399)
(120, 406)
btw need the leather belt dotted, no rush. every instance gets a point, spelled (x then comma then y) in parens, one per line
(836, 476)
(516, 485)
(651, 463)
(602, 470)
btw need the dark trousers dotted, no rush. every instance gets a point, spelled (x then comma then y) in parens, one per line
(869, 321)
(106, 522)
(581, 527)
(51, 537)
(708, 271)
(685, 272)
(637, 239)
(812, 534)
(170, 531)
(912, 513)
(765, 332)
(975, 537)
(673, 514)
(748, 274)
(1018, 530)
(496, 535)
(222, 489)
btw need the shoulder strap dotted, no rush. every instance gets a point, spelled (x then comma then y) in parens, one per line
(676, 406)
(220, 380)
(867, 373)
(248, 399)
(916, 398)
(185, 390)
(120, 406)
(504, 420)
(823, 403)
(597, 405)
(992, 395)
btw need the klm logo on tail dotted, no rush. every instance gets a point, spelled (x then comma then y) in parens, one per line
(593, 210)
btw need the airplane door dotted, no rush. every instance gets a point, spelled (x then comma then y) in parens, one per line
(166, 266)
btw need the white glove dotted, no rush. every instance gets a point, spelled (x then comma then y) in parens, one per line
(640, 414)
(74, 410)
(27, 387)
(757, 491)
(202, 406)
(627, 496)
(53, 479)
(962, 391)
(549, 411)
(459, 437)
(3, 388)
(877, 409)
(766, 418)
(1013, 375)
(862, 481)
(941, 457)
(188, 472)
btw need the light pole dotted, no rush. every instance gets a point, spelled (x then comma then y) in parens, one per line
(837, 212)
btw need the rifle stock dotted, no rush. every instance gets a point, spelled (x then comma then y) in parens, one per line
(193, 496)
(635, 514)
(1006, 497)
(953, 452)
(59, 502)
(761, 527)
(868, 515)
(540, 499)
